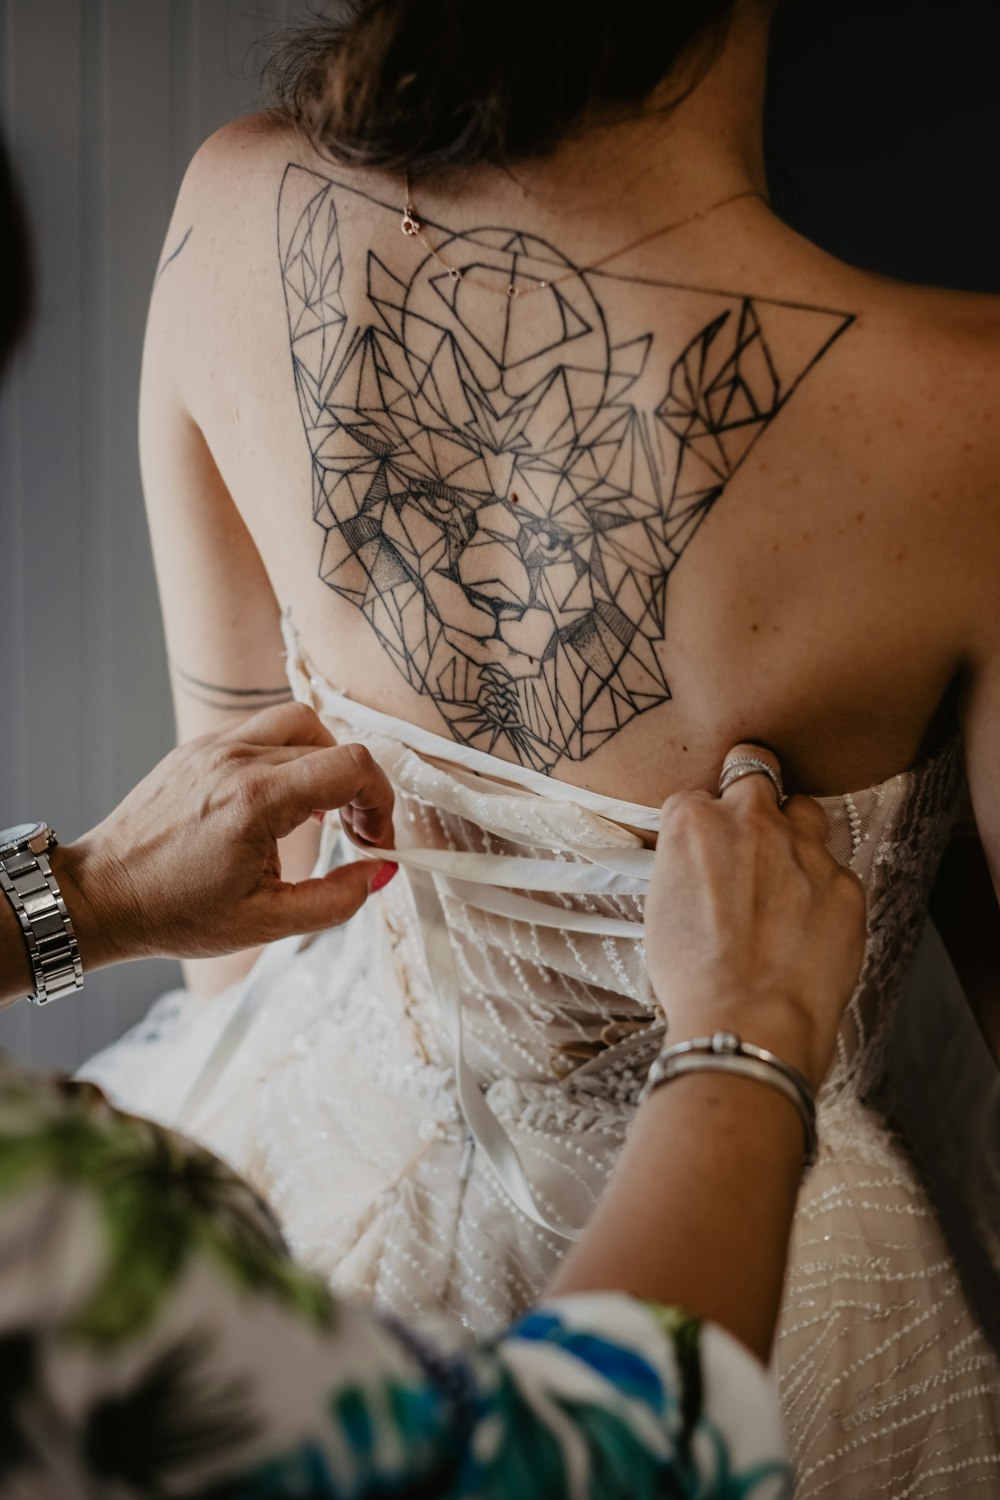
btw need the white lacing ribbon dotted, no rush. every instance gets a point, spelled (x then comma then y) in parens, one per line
(595, 872)
(500, 903)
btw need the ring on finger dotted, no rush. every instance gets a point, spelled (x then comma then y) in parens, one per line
(735, 767)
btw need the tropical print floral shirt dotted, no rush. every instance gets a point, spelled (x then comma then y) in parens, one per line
(156, 1341)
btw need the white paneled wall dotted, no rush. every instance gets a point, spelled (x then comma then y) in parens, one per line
(102, 104)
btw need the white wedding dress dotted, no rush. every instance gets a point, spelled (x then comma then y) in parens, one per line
(432, 1097)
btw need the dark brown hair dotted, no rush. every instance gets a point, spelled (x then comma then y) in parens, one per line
(431, 85)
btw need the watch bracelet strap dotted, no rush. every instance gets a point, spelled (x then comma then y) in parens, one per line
(30, 886)
(744, 1061)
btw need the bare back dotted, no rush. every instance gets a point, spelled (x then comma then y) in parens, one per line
(721, 487)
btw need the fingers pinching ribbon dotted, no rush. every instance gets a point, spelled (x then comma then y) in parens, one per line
(747, 760)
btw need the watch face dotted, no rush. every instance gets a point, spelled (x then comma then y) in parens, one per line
(16, 837)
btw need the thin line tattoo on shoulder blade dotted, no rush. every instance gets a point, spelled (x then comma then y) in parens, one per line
(505, 485)
(227, 699)
(173, 254)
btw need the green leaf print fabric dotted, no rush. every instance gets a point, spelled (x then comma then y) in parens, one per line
(156, 1341)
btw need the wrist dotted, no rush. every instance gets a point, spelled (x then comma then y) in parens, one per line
(100, 917)
(726, 1053)
(755, 1122)
(785, 1026)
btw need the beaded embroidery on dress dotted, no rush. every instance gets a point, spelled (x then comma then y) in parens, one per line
(341, 1102)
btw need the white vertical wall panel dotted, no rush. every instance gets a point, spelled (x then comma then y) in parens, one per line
(102, 104)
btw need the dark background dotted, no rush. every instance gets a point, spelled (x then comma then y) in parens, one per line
(883, 134)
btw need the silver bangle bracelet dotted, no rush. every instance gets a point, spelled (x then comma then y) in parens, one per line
(727, 1053)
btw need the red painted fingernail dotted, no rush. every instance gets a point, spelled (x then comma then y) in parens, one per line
(383, 875)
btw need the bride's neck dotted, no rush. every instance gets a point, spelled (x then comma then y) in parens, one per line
(678, 156)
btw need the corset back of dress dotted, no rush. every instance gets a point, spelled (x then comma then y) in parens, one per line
(554, 986)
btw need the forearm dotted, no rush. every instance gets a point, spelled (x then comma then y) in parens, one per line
(699, 1208)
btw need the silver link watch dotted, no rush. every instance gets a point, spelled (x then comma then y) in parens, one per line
(26, 878)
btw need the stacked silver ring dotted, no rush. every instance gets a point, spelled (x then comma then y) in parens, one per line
(735, 767)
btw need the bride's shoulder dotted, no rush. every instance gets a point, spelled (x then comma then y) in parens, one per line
(927, 359)
(224, 217)
(935, 331)
(236, 157)
(912, 393)
(947, 346)
(940, 351)
(232, 185)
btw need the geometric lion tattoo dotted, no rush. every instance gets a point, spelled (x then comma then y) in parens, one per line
(505, 485)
